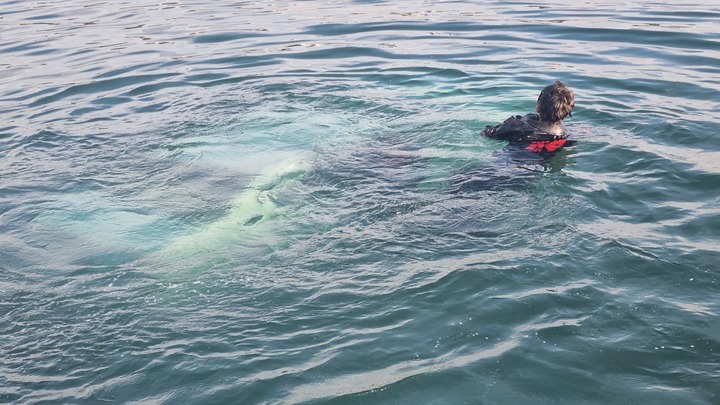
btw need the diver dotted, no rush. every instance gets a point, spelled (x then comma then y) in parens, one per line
(544, 131)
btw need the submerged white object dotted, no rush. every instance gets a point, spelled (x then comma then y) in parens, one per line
(254, 206)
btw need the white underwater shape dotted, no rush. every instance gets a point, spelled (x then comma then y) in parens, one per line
(248, 212)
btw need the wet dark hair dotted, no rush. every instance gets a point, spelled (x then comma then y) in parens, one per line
(556, 102)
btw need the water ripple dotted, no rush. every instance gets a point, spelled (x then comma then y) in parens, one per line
(409, 253)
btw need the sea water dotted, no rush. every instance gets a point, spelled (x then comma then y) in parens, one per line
(291, 202)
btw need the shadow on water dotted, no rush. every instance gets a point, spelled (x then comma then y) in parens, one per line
(511, 169)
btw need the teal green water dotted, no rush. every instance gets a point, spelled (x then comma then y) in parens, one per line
(290, 202)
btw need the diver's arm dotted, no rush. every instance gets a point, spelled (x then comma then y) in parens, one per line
(490, 130)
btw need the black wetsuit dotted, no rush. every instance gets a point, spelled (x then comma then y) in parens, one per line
(530, 132)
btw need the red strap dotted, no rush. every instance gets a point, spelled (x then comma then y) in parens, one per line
(546, 146)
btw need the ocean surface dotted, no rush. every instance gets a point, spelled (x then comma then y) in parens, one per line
(255, 202)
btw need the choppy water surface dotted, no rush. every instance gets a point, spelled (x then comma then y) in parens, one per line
(290, 202)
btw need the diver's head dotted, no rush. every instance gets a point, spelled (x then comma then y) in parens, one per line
(555, 102)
